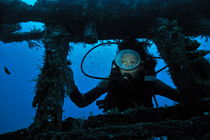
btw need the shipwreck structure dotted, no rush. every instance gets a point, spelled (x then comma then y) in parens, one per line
(168, 23)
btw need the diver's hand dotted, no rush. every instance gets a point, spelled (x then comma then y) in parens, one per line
(70, 84)
(103, 84)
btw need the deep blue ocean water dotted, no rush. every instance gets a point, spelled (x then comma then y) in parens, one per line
(24, 63)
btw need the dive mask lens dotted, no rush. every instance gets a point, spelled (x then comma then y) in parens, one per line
(127, 59)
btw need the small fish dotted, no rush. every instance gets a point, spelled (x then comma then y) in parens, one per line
(7, 70)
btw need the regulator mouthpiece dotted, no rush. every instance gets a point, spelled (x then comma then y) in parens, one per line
(126, 78)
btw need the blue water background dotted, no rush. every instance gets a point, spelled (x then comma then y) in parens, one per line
(24, 63)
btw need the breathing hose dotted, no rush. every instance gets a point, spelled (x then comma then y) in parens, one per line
(105, 78)
(81, 66)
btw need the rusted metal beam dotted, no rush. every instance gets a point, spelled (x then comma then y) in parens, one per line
(50, 88)
(113, 19)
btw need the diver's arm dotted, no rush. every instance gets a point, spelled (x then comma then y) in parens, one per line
(163, 89)
(83, 100)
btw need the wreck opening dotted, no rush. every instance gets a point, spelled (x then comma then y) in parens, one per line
(90, 21)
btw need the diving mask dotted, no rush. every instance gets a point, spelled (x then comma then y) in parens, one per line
(127, 59)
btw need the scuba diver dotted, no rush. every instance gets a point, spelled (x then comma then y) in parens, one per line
(132, 82)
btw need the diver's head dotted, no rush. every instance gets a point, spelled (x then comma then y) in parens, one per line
(129, 62)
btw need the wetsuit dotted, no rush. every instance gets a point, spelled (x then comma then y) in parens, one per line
(122, 96)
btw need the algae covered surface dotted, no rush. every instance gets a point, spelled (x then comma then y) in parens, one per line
(169, 24)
